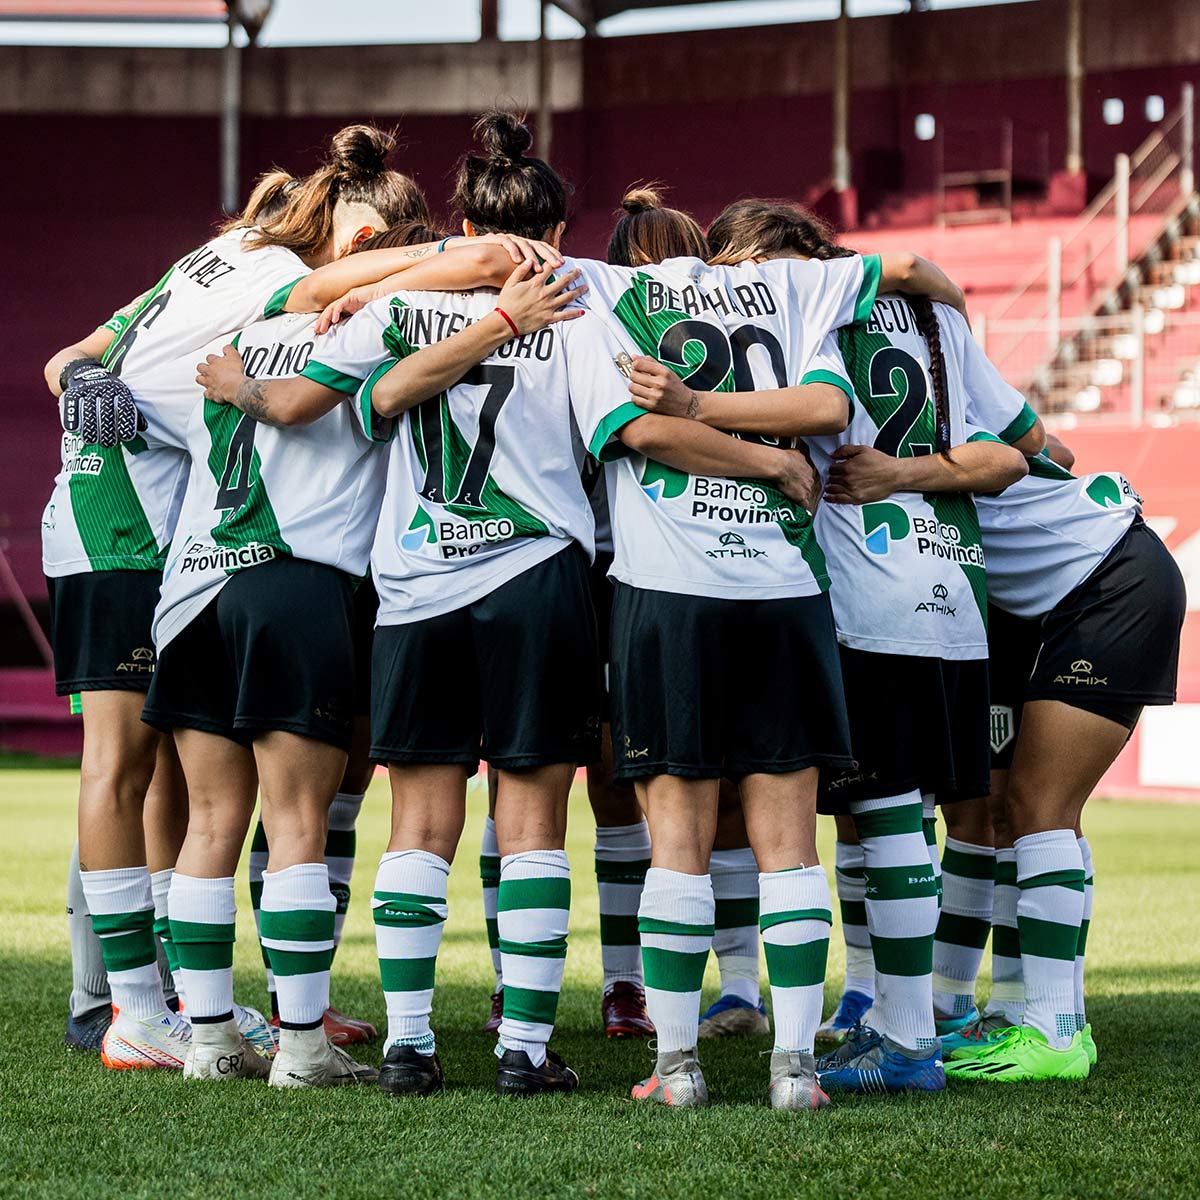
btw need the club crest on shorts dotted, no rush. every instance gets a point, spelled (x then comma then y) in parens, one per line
(1001, 727)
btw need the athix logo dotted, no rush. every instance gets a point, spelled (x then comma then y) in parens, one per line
(1082, 674)
(631, 753)
(1001, 727)
(733, 545)
(141, 662)
(938, 605)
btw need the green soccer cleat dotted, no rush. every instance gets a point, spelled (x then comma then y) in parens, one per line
(1022, 1055)
(1089, 1044)
(986, 1030)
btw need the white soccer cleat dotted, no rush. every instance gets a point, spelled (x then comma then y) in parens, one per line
(220, 1052)
(794, 1083)
(137, 1043)
(308, 1059)
(676, 1082)
(257, 1030)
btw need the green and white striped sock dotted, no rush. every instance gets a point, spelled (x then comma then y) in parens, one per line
(89, 980)
(901, 900)
(489, 875)
(1049, 916)
(622, 859)
(297, 931)
(122, 906)
(675, 921)
(168, 967)
(259, 854)
(203, 928)
(795, 919)
(341, 842)
(734, 875)
(851, 889)
(1008, 984)
(929, 831)
(1089, 881)
(968, 881)
(409, 907)
(532, 907)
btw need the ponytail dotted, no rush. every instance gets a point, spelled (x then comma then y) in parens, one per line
(930, 329)
(648, 232)
(749, 229)
(268, 198)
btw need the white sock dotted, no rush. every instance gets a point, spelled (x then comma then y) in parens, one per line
(735, 940)
(203, 922)
(409, 907)
(675, 921)
(851, 890)
(168, 959)
(89, 979)
(533, 904)
(968, 881)
(1049, 915)
(929, 832)
(622, 859)
(1085, 851)
(795, 919)
(259, 855)
(489, 874)
(122, 907)
(1008, 985)
(340, 846)
(297, 931)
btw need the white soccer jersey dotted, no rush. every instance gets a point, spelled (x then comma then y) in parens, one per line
(722, 329)
(483, 479)
(256, 491)
(115, 509)
(1047, 533)
(908, 572)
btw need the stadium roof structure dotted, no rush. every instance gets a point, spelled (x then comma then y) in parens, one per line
(113, 10)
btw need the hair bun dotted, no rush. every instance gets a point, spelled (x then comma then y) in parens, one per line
(503, 136)
(360, 151)
(641, 199)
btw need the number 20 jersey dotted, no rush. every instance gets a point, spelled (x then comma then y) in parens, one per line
(908, 572)
(256, 492)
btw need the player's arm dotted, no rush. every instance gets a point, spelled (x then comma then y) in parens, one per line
(863, 475)
(279, 402)
(93, 404)
(1058, 452)
(91, 349)
(917, 276)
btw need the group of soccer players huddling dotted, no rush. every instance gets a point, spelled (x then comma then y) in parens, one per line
(741, 521)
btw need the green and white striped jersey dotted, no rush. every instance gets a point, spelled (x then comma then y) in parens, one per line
(908, 572)
(721, 329)
(484, 478)
(115, 509)
(256, 491)
(1049, 531)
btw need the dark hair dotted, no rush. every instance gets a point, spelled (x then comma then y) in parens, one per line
(406, 233)
(355, 170)
(506, 190)
(647, 232)
(269, 196)
(929, 328)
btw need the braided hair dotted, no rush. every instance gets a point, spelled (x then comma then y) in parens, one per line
(929, 328)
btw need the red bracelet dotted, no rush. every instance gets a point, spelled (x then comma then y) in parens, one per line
(511, 323)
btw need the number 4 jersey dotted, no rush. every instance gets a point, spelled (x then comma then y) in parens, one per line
(256, 491)
(908, 572)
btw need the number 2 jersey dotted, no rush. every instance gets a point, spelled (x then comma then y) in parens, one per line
(908, 572)
(256, 492)
(720, 329)
(115, 509)
(483, 478)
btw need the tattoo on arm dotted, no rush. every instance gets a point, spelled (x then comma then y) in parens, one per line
(251, 400)
(419, 253)
(693, 407)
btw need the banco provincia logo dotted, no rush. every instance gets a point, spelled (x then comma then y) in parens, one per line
(733, 545)
(1082, 674)
(939, 603)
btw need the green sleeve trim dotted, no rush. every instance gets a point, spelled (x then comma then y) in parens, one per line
(331, 378)
(279, 299)
(377, 427)
(116, 323)
(872, 271)
(831, 377)
(985, 437)
(1016, 429)
(617, 419)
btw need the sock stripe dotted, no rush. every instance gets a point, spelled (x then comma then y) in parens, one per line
(673, 970)
(214, 955)
(797, 966)
(614, 871)
(854, 912)
(297, 925)
(889, 822)
(653, 925)
(407, 974)
(299, 962)
(905, 956)
(529, 1005)
(1066, 879)
(970, 932)
(969, 866)
(1083, 933)
(489, 869)
(901, 883)
(770, 920)
(115, 924)
(735, 912)
(549, 948)
(544, 892)
(619, 929)
(1006, 941)
(1048, 939)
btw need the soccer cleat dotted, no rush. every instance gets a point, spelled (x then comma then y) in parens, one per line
(492, 1024)
(851, 1009)
(953, 1024)
(133, 1043)
(986, 1029)
(257, 1030)
(856, 1039)
(794, 1083)
(307, 1059)
(884, 1066)
(342, 1030)
(517, 1076)
(623, 1009)
(221, 1051)
(1089, 1044)
(1021, 1055)
(86, 1032)
(731, 1016)
(675, 1082)
(408, 1072)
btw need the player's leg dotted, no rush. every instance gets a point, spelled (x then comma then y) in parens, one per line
(90, 1012)
(165, 824)
(489, 878)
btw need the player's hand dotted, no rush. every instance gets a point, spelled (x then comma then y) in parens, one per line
(97, 406)
(521, 249)
(346, 306)
(798, 479)
(862, 475)
(658, 389)
(220, 375)
(534, 299)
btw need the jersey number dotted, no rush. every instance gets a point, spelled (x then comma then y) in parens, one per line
(146, 317)
(234, 487)
(499, 381)
(884, 365)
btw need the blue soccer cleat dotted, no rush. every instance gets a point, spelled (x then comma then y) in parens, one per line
(731, 1016)
(851, 1009)
(954, 1024)
(882, 1066)
(87, 1031)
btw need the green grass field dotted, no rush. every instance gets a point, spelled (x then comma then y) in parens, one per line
(69, 1128)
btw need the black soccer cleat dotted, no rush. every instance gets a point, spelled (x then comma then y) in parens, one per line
(86, 1032)
(517, 1076)
(407, 1072)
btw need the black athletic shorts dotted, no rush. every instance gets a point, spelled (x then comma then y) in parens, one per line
(513, 677)
(366, 605)
(602, 602)
(705, 687)
(915, 723)
(274, 650)
(1013, 645)
(100, 629)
